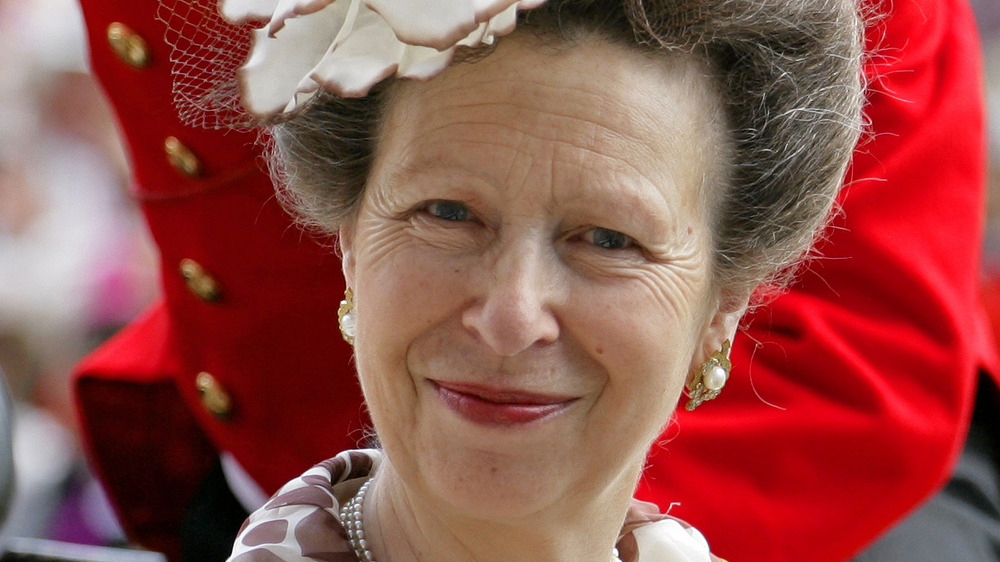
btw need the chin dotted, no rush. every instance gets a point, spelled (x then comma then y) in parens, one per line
(507, 489)
(493, 488)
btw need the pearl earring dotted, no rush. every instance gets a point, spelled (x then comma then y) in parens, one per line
(345, 315)
(708, 381)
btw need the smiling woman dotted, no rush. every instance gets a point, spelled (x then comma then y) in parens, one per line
(545, 243)
(482, 298)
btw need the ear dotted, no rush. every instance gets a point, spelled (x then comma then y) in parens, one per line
(721, 327)
(345, 240)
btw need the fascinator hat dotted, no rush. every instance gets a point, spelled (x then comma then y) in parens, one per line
(240, 63)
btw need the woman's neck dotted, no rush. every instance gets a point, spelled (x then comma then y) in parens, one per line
(402, 527)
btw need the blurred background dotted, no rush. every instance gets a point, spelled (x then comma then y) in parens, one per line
(76, 262)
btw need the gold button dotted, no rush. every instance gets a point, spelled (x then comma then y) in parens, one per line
(199, 282)
(214, 398)
(181, 157)
(128, 45)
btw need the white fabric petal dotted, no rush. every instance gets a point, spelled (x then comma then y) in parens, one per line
(347, 46)
(238, 12)
(486, 9)
(428, 23)
(476, 38)
(277, 64)
(669, 541)
(501, 24)
(305, 90)
(423, 63)
(350, 19)
(368, 55)
(287, 9)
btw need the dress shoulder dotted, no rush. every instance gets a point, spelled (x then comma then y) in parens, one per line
(651, 536)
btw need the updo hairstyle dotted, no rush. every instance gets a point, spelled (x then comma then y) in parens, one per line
(789, 76)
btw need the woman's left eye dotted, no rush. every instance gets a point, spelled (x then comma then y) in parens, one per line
(608, 239)
(449, 211)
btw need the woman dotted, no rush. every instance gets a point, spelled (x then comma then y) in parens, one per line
(543, 245)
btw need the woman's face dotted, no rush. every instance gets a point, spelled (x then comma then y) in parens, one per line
(531, 264)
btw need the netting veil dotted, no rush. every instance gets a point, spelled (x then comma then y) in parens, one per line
(278, 54)
(205, 53)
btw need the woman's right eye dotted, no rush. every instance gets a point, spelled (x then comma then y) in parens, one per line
(449, 211)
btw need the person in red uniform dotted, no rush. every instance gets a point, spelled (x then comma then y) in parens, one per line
(239, 348)
(849, 398)
(853, 391)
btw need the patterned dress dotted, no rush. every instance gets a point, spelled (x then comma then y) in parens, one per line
(301, 522)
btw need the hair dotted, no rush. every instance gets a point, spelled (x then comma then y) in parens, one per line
(788, 73)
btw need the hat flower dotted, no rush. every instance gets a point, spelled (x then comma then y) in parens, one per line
(347, 46)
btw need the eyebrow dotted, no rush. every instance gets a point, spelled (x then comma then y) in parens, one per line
(625, 202)
(637, 200)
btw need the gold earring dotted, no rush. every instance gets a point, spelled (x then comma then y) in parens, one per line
(708, 381)
(345, 317)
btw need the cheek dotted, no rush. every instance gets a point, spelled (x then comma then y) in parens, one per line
(396, 278)
(405, 292)
(645, 347)
(400, 294)
(648, 358)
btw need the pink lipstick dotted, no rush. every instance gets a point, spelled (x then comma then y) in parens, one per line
(492, 406)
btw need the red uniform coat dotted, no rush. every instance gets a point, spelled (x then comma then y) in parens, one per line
(849, 396)
(253, 321)
(853, 404)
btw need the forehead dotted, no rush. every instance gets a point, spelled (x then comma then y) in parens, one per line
(588, 109)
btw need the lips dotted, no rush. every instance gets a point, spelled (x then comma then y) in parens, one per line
(495, 406)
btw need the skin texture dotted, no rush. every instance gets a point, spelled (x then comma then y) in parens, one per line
(535, 229)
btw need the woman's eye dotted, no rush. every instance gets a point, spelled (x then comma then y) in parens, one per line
(608, 239)
(449, 210)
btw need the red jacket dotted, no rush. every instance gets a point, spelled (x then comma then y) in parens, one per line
(268, 340)
(851, 393)
(849, 396)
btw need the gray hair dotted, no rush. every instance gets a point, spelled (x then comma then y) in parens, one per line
(788, 74)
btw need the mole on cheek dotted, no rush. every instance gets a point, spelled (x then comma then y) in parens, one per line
(599, 350)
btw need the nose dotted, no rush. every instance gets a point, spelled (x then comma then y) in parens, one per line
(513, 310)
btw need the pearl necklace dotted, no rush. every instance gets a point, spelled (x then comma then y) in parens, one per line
(351, 518)
(353, 521)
